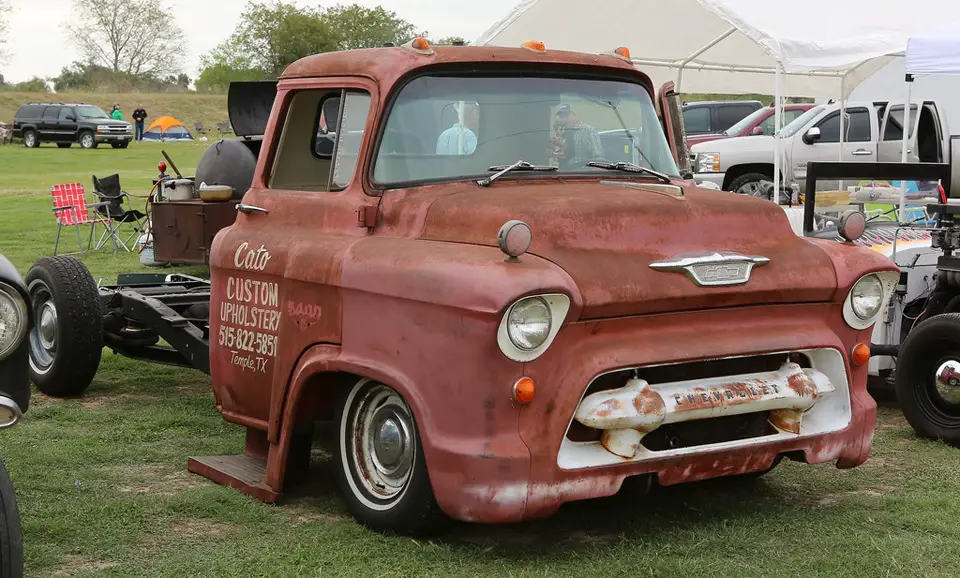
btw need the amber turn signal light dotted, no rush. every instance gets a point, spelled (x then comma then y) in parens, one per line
(623, 51)
(524, 390)
(860, 354)
(535, 45)
(420, 44)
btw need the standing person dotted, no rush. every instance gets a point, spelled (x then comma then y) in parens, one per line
(583, 141)
(116, 114)
(138, 116)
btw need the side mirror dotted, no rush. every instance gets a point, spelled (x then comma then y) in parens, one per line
(757, 130)
(812, 135)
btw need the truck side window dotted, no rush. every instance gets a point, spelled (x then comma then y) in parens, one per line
(856, 125)
(894, 128)
(356, 108)
(697, 120)
(314, 128)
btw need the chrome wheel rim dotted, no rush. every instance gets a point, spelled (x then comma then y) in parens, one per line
(947, 381)
(380, 442)
(86, 140)
(43, 335)
(29, 139)
(751, 189)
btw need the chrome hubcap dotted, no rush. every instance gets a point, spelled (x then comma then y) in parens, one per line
(29, 138)
(43, 335)
(87, 140)
(948, 381)
(384, 446)
(751, 189)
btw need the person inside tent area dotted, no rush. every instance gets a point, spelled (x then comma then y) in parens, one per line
(582, 141)
(116, 114)
(139, 115)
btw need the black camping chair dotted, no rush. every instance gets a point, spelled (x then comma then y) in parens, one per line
(112, 205)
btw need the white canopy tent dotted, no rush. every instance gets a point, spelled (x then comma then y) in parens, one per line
(825, 47)
(933, 53)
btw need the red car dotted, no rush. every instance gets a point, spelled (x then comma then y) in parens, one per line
(760, 121)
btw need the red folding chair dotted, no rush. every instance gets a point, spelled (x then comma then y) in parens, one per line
(71, 209)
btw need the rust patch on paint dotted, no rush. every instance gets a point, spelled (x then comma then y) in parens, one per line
(802, 385)
(608, 407)
(648, 402)
(786, 420)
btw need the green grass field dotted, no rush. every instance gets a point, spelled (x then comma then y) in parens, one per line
(104, 491)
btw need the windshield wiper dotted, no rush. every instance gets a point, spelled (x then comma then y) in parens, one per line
(520, 165)
(630, 168)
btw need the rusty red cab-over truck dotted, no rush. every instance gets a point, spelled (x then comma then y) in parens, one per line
(438, 257)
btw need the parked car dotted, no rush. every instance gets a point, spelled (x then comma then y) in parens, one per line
(711, 117)
(65, 124)
(15, 329)
(759, 122)
(491, 337)
(873, 132)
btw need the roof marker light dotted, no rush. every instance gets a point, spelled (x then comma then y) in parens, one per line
(623, 52)
(419, 45)
(534, 45)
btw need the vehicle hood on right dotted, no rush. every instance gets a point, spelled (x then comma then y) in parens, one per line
(736, 144)
(606, 237)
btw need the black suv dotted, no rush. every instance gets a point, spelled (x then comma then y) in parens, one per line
(711, 117)
(66, 124)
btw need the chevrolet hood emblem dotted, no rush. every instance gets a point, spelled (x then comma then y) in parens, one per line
(713, 269)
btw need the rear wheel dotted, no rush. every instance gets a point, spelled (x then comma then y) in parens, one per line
(927, 380)
(383, 475)
(66, 341)
(30, 139)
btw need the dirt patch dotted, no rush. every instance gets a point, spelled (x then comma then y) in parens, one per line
(312, 517)
(156, 480)
(73, 564)
(831, 499)
(103, 400)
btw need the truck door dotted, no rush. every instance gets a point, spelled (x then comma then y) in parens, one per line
(671, 117)
(890, 148)
(275, 271)
(67, 125)
(49, 124)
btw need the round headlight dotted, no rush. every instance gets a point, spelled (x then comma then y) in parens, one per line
(13, 319)
(866, 297)
(529, 323)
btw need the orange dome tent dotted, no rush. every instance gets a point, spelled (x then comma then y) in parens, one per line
(167, 128)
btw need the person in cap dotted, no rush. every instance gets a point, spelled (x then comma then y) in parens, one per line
(460, 139)
(583, 141)
(116, 114)
(139, 115)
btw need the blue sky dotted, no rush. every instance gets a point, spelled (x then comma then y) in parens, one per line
(207, 22)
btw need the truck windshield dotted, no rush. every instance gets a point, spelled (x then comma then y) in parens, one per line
(457, 127)
(90, 112)
(746, 121)
(799, 122)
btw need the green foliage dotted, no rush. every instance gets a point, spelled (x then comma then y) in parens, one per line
(35, 84)
(272, 36)
(356, 26)
(97, 78)
(449, 41)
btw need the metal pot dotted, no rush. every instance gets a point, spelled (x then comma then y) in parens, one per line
(215, 193)
(178, 190)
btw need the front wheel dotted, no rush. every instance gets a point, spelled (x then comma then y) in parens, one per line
(383, 475)
(749, 184)
(30, 139)
(11, 538)
(66, 341)
(927, 381)
(87, 140)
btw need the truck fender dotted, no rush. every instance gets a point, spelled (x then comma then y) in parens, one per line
(327, 358)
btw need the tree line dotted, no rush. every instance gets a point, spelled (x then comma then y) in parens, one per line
(131, 45)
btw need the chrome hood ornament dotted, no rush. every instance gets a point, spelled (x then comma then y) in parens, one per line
(713, 269)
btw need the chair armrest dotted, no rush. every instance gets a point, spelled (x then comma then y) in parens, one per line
(62, 209)
(98, 205)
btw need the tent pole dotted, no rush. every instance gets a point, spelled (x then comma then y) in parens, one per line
(698, 52)
(903, 146)
(843, 114)
(776, 139)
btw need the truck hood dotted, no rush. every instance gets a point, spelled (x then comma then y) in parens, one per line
(737, 144)
(606, 236)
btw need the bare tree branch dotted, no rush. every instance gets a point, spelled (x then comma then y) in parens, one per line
(134, 36)
(5, 11)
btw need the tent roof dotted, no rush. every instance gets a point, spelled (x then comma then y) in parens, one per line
(936, 52)
(817, 42)
(164, 123)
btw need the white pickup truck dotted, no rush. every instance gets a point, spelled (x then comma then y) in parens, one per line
(873, 132)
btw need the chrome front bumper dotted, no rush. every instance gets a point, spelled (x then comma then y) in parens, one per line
(799, 401)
